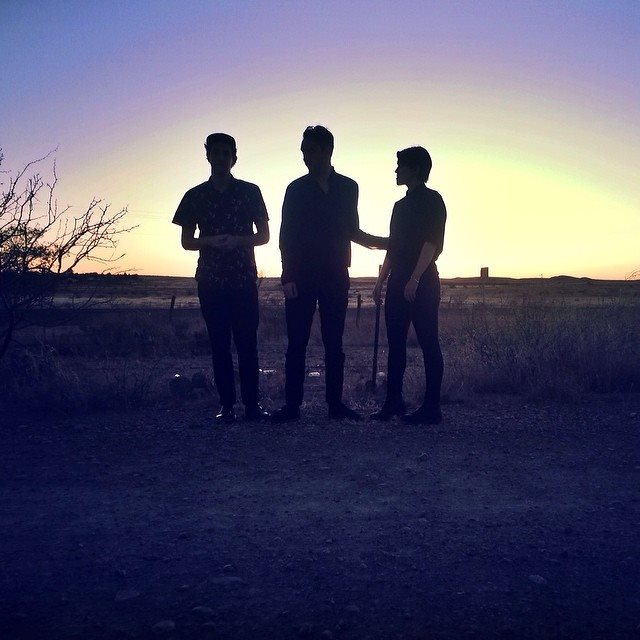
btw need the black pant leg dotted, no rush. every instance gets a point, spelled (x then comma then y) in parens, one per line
(333, 298)
(397, 318)
(299, 315)
(244, 322)
(215, 307)
(424, 315)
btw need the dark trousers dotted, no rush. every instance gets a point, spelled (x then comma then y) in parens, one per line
(331, 295)
(227, 312)
(423, 313)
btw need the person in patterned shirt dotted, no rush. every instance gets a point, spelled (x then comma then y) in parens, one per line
(225, 210)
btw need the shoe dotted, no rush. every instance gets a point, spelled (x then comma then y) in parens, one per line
(226, 415)
(388, 410)
(424, 415)
(285, 414)
(256, 412)
(342, 412)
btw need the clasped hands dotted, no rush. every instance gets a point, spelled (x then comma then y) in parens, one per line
(223, 241)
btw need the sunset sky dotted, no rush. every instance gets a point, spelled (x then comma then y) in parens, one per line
(530, 109)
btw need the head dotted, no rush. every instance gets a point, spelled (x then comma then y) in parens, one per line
(414, 164)
(221, 152)
(317, 147)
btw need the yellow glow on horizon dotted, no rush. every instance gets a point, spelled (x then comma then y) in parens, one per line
(527, 188)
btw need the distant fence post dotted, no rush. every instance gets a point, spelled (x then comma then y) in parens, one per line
(358, 308)
(484, 275)
(376, 337)
(173, 304)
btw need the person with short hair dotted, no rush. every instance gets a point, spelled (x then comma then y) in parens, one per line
(226, 210)
(319, 221)
(416, 240)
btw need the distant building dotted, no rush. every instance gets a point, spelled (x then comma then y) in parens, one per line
(484, 272)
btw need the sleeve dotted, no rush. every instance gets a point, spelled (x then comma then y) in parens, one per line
(285, 238)
(259, 207)
(434, 221)
(354, 220)
(185, 215)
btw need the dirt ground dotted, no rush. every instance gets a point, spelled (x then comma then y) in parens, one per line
(509, 520)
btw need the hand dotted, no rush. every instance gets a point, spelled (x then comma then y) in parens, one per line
(290, 290)
(410, 290)
(216, 242)
(377, 293)
(234, 241)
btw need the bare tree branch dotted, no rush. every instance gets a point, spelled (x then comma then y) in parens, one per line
(41, 244)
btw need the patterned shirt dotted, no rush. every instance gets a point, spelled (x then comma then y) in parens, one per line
(233, 211)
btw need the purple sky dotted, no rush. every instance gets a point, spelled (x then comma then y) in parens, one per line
(539, 96)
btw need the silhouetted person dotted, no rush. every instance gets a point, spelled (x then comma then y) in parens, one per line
(413, 291)
(225, 210)
(319, 221)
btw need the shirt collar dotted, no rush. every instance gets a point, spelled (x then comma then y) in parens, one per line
(230, 187)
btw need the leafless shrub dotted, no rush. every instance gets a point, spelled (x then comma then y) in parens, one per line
(41, 243)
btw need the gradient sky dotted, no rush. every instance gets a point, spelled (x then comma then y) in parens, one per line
(531, 112)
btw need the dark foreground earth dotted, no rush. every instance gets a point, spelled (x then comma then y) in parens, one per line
(509, 520)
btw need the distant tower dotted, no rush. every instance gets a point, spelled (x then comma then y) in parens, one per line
(484, 273)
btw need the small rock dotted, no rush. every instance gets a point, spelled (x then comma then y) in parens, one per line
(126, 594)
(205, 611)
(164, 626)
(537, 579)
(179, 386)
(230, 569)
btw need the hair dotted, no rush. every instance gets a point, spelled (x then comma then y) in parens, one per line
(320, 135)
(417, 158)
(221, 138)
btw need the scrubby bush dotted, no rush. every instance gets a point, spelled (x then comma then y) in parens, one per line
(125, 359)
(547, 351)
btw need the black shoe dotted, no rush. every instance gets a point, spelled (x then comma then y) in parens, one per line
(285, 414)
(342, 412)
(388, 410)
(255, 412)
(226, 415)
(424, 415)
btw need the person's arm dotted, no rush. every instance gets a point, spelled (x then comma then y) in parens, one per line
(186, 217)
(289, 287)
(260, 220)
(427, 254)
(382, 277)
(357, 234)
(191, 243)
(254, 240)
(369, 241)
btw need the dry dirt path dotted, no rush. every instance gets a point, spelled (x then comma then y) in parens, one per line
(510, 520)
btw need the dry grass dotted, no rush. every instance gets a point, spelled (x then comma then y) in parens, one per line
(120, 358)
